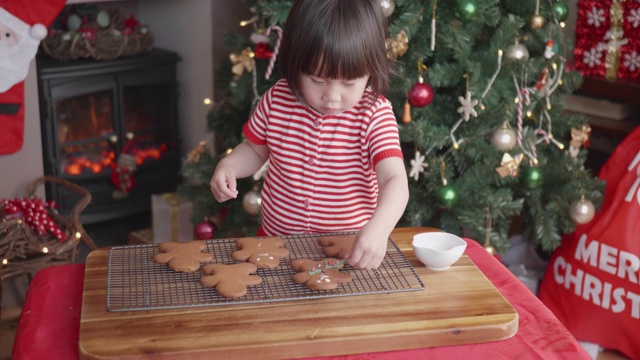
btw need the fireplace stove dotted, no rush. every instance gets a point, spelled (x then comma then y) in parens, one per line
(96, 113)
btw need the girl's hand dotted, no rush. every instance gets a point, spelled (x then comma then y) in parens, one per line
(369, 248)
(223, 183)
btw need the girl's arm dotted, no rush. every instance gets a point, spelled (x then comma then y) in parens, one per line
(393, 195)
(243, 161)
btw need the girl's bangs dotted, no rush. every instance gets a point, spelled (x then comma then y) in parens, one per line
(347, 60)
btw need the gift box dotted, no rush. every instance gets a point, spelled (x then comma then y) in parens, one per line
(171, 218)
(608, 39)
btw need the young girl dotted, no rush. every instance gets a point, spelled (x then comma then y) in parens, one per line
(331, 137)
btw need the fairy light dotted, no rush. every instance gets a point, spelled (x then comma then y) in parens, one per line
(5, 262)
(45, 250)
(207, 101)
(78, 235)
(250, 21)
(529, 114)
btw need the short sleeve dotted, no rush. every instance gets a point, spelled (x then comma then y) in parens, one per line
(256, 128)
(383, 137)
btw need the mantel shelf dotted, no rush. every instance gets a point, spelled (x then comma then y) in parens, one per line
(617, 90)
(88, 1)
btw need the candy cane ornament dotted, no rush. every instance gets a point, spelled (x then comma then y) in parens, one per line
(276, 49)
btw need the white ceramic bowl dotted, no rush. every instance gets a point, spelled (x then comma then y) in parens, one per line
(438, 250)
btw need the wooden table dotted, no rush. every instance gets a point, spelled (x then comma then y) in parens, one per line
(458, 306)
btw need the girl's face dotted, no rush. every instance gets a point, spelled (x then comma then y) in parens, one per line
(331, 96)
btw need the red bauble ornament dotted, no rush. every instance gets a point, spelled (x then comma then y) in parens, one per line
(421, 94)
(205, 229)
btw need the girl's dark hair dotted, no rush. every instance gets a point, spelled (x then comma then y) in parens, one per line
(335, 39)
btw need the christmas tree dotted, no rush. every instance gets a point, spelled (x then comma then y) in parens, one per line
(479, 97)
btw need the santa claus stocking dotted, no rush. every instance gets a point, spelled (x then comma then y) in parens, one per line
(23, 23)
(122, 174)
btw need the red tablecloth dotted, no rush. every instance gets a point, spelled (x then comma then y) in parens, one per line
(50, 319)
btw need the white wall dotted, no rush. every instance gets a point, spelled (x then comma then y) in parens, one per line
(185, 27)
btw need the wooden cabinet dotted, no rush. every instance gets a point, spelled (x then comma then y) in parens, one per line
(607, 133)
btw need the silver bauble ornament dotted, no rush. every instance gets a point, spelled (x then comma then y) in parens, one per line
(387, 7)
(517, 52)
(503, 139)
(582, 211)
(537, 21)
(252, 202)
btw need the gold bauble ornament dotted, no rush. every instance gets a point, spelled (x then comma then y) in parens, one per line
(490, 249)
(537, 21)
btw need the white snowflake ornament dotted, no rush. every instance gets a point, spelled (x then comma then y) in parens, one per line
(634, 17)
(593, 57)
(596, 17)
(417, 166)
(467, 109)
(632, 61)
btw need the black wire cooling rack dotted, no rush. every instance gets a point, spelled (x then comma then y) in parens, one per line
(136, 282)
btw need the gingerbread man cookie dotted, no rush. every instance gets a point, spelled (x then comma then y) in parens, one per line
(230, 280)
(183, 257)
(264, 252)
(337, 245)
(320, 275)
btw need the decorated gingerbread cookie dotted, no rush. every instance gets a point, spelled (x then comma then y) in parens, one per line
(337, 245)
(320, 275)
(230, 280)
(183, 257)
(265, 252)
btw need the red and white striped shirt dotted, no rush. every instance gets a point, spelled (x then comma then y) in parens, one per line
(321, 174)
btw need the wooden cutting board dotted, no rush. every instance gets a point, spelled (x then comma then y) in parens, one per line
(458, 306)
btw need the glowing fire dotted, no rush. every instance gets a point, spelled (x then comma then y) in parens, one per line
(79, 164)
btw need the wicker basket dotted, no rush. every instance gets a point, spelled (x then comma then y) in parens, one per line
(109, 43)
(26, 252)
